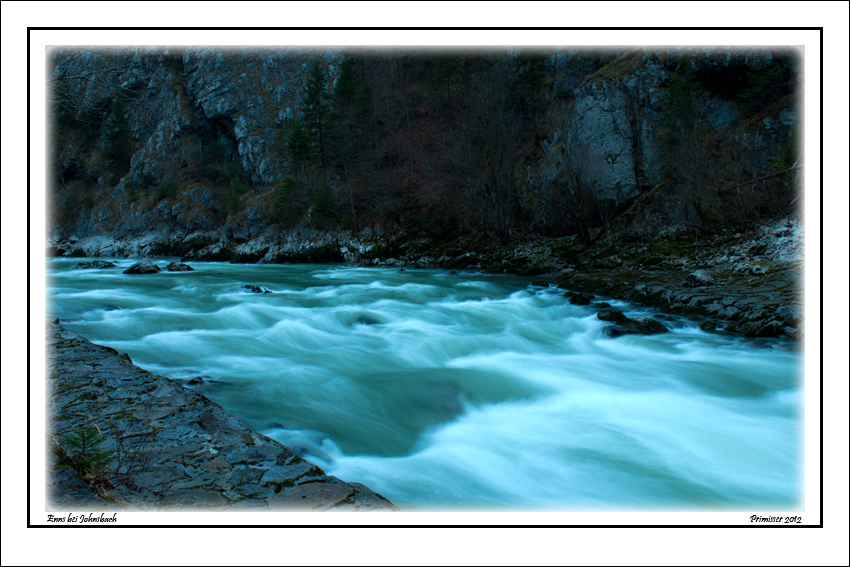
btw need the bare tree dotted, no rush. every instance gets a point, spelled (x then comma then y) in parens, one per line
(562, 192)
(484, 155)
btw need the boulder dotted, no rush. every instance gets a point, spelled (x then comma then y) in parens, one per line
(639, 326)
(179, 267)
(540, 283)
(699, 278)
(144, 267)
(611, 315)
(581, 298)
(257, 288)
(96, 265)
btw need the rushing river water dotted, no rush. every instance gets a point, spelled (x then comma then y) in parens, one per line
(464, 391)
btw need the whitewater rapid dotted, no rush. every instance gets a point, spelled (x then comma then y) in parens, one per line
(462, 391)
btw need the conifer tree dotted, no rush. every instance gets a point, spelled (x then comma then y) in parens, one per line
(317, 107)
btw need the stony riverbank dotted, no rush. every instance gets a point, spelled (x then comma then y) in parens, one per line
(160, 445)
(750, 284)
(739, 282)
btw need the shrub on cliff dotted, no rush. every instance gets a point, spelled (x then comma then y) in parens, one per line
(166, 190)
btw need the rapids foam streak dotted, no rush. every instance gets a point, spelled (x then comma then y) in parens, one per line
(464, 391)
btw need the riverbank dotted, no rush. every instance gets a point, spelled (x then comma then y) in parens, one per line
(164, 446)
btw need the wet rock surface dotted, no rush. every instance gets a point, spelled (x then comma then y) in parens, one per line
(611, 315)
(179, 267)
(579, 298)
(749, 283)
(169, 447)
(768, 307)
(96, 265)
(639, 326)
(144, 267)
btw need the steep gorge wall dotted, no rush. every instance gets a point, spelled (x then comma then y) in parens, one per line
(176, 101)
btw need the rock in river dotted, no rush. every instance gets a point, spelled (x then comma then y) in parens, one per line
(144, 267)
(258, 288)
(611, 315)
(626, 326)
(580, 298)
(96, 265)
(179, 267)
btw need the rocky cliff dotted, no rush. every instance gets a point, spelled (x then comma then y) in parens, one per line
(148, 144)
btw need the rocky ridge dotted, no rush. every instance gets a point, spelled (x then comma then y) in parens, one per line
(168, 447)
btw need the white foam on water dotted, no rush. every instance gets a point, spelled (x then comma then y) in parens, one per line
(465, 391)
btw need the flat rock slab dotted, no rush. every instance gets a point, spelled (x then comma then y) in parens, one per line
(96, 265)
(315, 496)
(169, 447)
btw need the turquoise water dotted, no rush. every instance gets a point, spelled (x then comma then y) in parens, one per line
(466, 391)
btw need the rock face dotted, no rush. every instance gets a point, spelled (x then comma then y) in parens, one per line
(168, 446)
(611, 135)
(240, 98)
(243, 99)
(144, 267)
(96, 265)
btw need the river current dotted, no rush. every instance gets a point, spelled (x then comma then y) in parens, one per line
(462, 391)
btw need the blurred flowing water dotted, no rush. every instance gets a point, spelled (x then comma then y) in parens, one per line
(466, 391)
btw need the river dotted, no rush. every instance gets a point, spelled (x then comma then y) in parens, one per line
(462, 391)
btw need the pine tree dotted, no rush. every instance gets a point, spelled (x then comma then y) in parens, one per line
(317, 107)
(117, 137)
(297, 145)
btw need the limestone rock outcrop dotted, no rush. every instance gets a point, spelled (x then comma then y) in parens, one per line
(173, 102)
